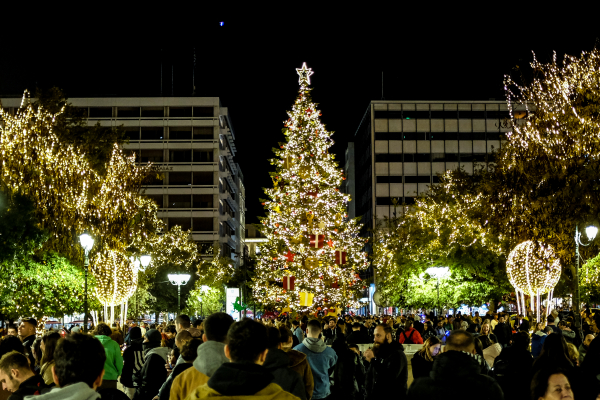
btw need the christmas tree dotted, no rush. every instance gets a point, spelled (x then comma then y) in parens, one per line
(314, 253)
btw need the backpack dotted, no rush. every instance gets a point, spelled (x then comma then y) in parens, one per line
(408, 340)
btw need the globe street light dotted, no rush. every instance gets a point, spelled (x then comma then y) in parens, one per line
(87, 242)
(591, 232)
(437, 272)
(179, 280)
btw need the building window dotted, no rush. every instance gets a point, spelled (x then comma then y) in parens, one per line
(203, 156)
(388, 157)
(153, 112)
(444, 114)
(158, 199)
(409, 200)
(180, 178)
(154, 156)
(181, 133)
(152, 133)
(414, 135)
(203, 133)
(128, 112)
(494, 136)
(184, 223)
(406, 114)
(417, 179)
(389, 179)
(203, 224)
(155, 180)
(180, 201)
(203, 200)
(132, 133)
(204, 178)
(226, 229)
(204, 112)
(100, 112)
(471, 114)
(180, 112)
(422, 157)
(180, 156)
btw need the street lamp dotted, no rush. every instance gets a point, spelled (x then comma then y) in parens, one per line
(87, 242)
(591, 232)
(437, 272)
(140, 263)
(179, 280)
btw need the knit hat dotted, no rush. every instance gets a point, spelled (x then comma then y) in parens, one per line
(135, 333)
(153, 335)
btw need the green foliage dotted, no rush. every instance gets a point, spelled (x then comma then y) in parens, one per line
(205, 302)
(589, 278)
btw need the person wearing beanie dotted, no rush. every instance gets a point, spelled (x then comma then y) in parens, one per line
(133, 359)
(153, 374)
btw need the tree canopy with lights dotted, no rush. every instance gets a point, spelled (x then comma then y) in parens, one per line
(313, 255)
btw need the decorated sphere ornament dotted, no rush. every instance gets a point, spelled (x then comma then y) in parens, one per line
(533, 269)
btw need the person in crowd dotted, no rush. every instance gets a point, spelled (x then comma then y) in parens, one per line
(554, 354)
(181, 339)
(513, 368)
(551, 384)
(189, 352)
(440, 330)
(48, 347)
(36, 350)
(26, 331)
(458, 363)
(465, 326)
(567, 332)
(449, 323)
(183, 323)
(491, 349)
(422, 361)
(502, 331)
(573, 354)
(486, 336)
(320, 357)
(388, 366)
(522, 324)
(555, 315)
(479, 349)
(418, 325)
(245, 376)
(457, 325)
(153, 374)
(211, 355)
(117, 334)
(78, 369)
(169, 333)
(298, 360)
(590, 371)
(133, 360)
(583, 348)
(341, 327)
(348, 372)
(298, 334)
(357, 336)
(11, 330)
(16, 376)
(277, 363)
(331, 331)
(494, 321)
(477, 319)
(428, 331)
(551, 324)
(114, 361)
(410, 334)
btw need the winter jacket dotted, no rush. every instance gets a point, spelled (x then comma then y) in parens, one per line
(450, 368)
(513, 370)
(387, 373)
(133, 361)
(46, 373)
(415, 338)
(569, 335)
(165, 390)
(27, 343)
(491, 352)
(239, 381)
(321, 359)
(29, 387)
(420, 366)
(277, 363)
(152, 375)
(299, 363)
(537, 342)
(113, 366)
(348, 374)
(76, 391)
(427, 334)
(195, 332)
(503, 333)
(211, 355)
(299, 334)
(582, 352)
(331, 334)
(358, 337)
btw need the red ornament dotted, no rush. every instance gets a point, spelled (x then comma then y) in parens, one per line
(340, 257)
(289, 282)
(316, 241)
(330, 243)
(335, 284)
(290, 256)
(263, 203)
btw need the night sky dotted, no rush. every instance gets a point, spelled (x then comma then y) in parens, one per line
(430, 52)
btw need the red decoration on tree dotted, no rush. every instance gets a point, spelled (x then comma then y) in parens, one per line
(288, 282)
(340, 257)
(335, 284)
(290, 256)
(316, 241)
(330, 243)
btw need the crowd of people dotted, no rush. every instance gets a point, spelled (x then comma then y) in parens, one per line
(351, 357)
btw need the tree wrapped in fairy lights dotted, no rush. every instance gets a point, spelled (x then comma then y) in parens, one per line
(314, 254)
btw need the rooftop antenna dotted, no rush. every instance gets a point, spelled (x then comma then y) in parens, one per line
(193, 74)
(382, 98)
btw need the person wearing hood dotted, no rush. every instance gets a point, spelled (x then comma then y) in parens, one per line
(184, 323)
(133, 360)
(388, 367)
(211, 354)
(298, 361)
(245, 376)
(277, 363)
(189, 352)
(321, 358)
(538, 338)
(348, 373)
(114, 361)
(153, 374)
(458, 363)
(513, 368)
(78, 369)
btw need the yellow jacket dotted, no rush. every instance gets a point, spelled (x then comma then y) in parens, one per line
(186, 382)
(271, 392)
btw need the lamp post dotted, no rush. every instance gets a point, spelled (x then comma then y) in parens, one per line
(437, 272)
(591, 232)
(87, 242)
(140, 263)
(179, 280)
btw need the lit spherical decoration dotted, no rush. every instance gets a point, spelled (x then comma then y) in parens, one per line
(534, 270)
(116, 277)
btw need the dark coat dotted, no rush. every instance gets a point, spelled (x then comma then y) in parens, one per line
(277, 363)
(418, 325)
(420, 366)
(503, 333)
(32, 386)
(387, 373)
(358, 337)
(133, 361)
(512, 368)
(152, 375)
(454, 367)
(166, 391)
(348, 373)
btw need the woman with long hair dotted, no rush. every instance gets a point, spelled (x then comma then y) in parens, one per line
(551, 383)
(36, 351)
(428, 331)
(554, 355)
(422, 361)
(48, 345)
